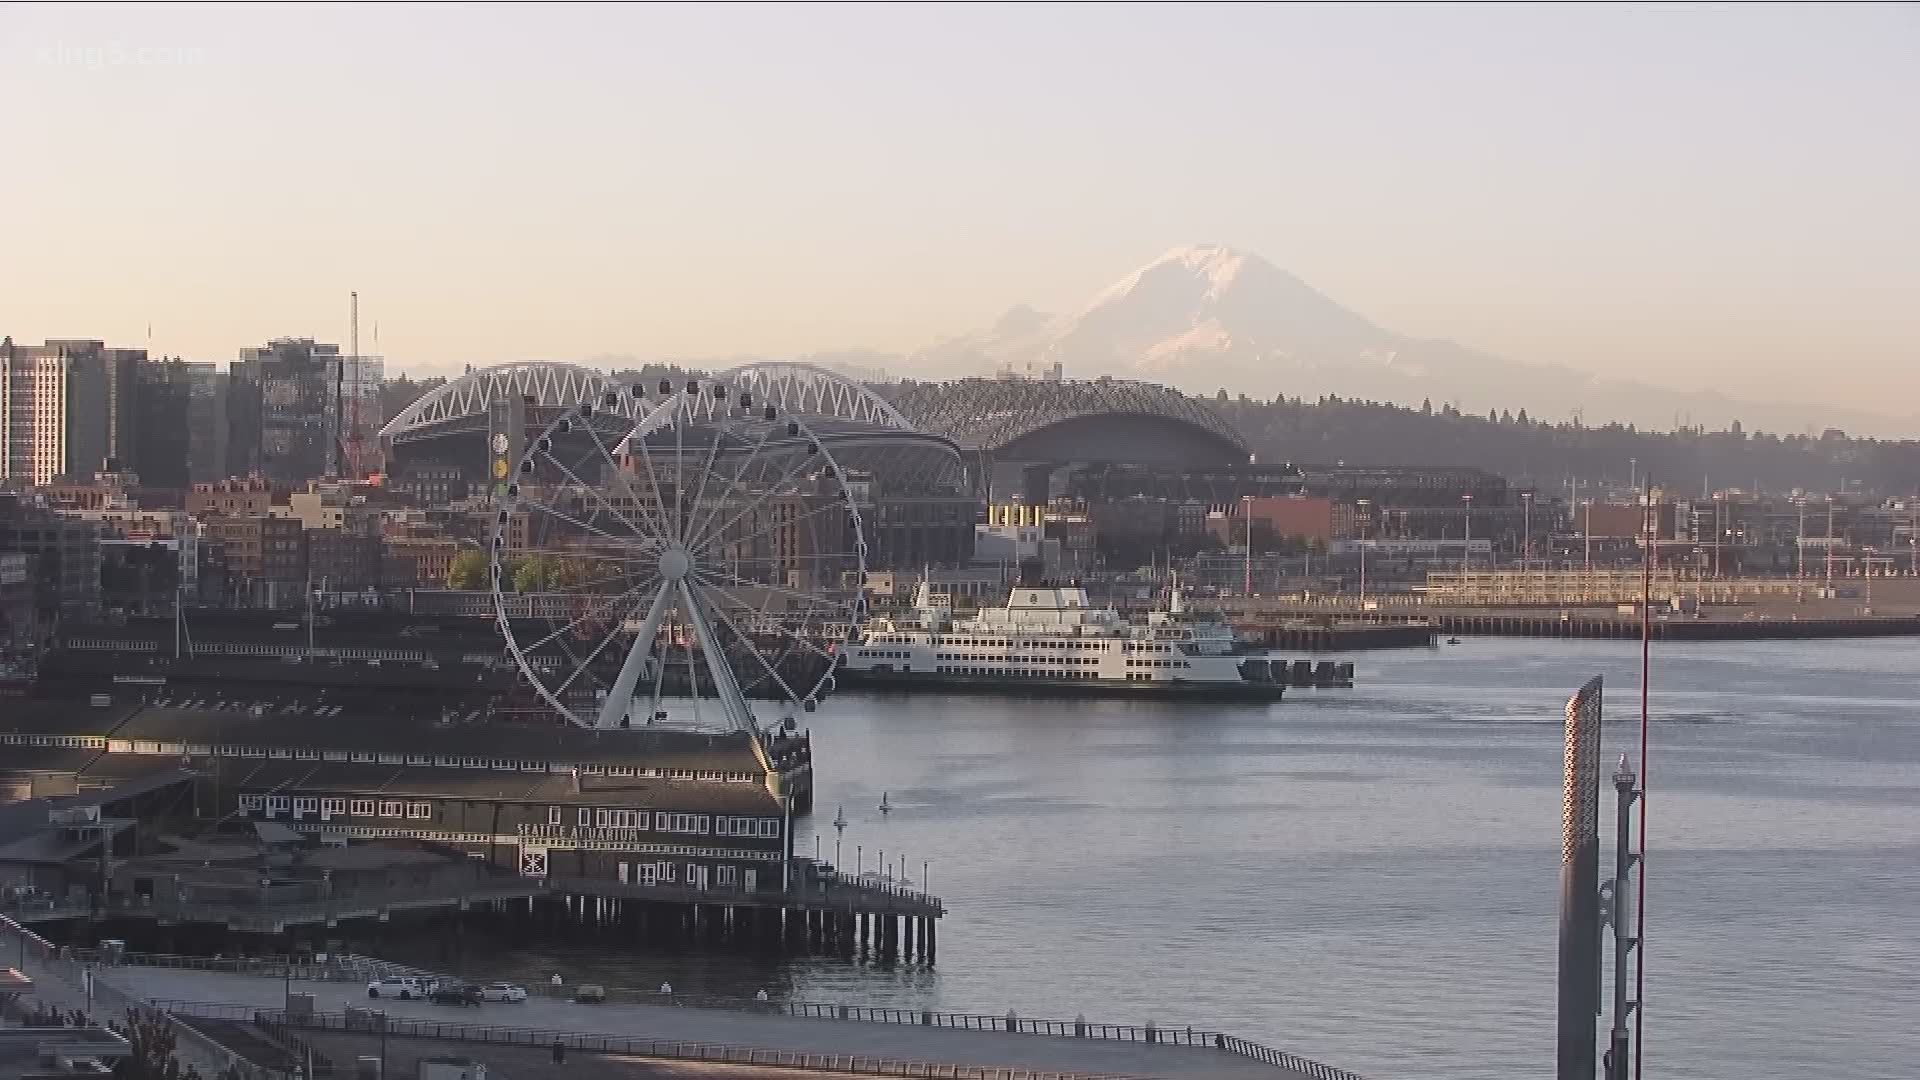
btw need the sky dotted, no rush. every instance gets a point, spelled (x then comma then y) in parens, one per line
(1693, 195)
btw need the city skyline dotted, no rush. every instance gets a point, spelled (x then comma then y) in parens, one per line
(1636, 191)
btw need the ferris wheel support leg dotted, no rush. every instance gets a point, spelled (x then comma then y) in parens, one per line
(731, 698)
(619, 701)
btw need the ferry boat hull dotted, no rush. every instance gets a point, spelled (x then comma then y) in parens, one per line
(850, 678)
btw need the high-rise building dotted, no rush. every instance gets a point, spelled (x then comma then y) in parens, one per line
(66, 406)
(281, 408)
(294, 406)
(208, 425)
(162, 423)
(353, 413)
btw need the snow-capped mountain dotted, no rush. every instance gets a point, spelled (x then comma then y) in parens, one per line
(1206, 318)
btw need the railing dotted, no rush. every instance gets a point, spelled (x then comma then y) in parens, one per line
(308, 902)
(678, 1049)
(806, 891)
(354, 969)
(883, 886)
(45, 907)
(1284, 1060)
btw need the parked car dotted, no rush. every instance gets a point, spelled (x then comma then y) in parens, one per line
(589, 994)
(453, 993)
(404, 987)
(501, 991)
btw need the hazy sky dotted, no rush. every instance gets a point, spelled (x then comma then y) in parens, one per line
(1670, 192)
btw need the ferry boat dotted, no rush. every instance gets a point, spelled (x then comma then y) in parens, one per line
(1053, 640)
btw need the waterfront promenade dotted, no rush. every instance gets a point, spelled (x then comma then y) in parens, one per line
(825, 1037)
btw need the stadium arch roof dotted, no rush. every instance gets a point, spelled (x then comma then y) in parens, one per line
(547, 382)
(866, 431)
(807, 389)
(1005, 417)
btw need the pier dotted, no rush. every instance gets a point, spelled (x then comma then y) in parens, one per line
(1600, 604)
(1319, 635)
(276, 1012)
(814, 1031)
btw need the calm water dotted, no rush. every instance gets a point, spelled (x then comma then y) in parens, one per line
(1368, 876)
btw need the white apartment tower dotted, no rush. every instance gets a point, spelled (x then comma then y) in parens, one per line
(57, 407)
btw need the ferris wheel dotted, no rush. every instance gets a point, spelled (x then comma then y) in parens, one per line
(677, 568)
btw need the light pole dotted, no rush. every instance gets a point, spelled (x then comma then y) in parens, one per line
(1466, 550)
(1246, 501)
(1365, 508)
(1526, 530)
(1829, 545)
(839, 832)
(1800, 544)
(1363, 574)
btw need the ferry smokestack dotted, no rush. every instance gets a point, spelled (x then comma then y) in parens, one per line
(1580, 888)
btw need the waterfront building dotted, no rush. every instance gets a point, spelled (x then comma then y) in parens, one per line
(399, 747)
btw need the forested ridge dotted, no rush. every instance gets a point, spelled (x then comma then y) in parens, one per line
(1333, 430)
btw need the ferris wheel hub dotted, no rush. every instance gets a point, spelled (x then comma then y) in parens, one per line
(675, 563)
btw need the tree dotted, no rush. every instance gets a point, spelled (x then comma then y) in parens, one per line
(531, 574)
(1426, 406)
(468, 570)
(151, 1045)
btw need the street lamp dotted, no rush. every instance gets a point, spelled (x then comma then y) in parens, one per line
(1526, 529)
(1365, 508)
(1246, 501)
(1466, 550)
(1800, 544)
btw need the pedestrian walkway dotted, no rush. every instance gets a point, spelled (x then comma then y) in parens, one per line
(736, 1028)
(63, 985)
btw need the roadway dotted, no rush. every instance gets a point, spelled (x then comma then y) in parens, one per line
(788, 1033)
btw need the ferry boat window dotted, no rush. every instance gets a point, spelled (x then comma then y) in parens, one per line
(420, 810)
(360, 808)
(390, 809)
